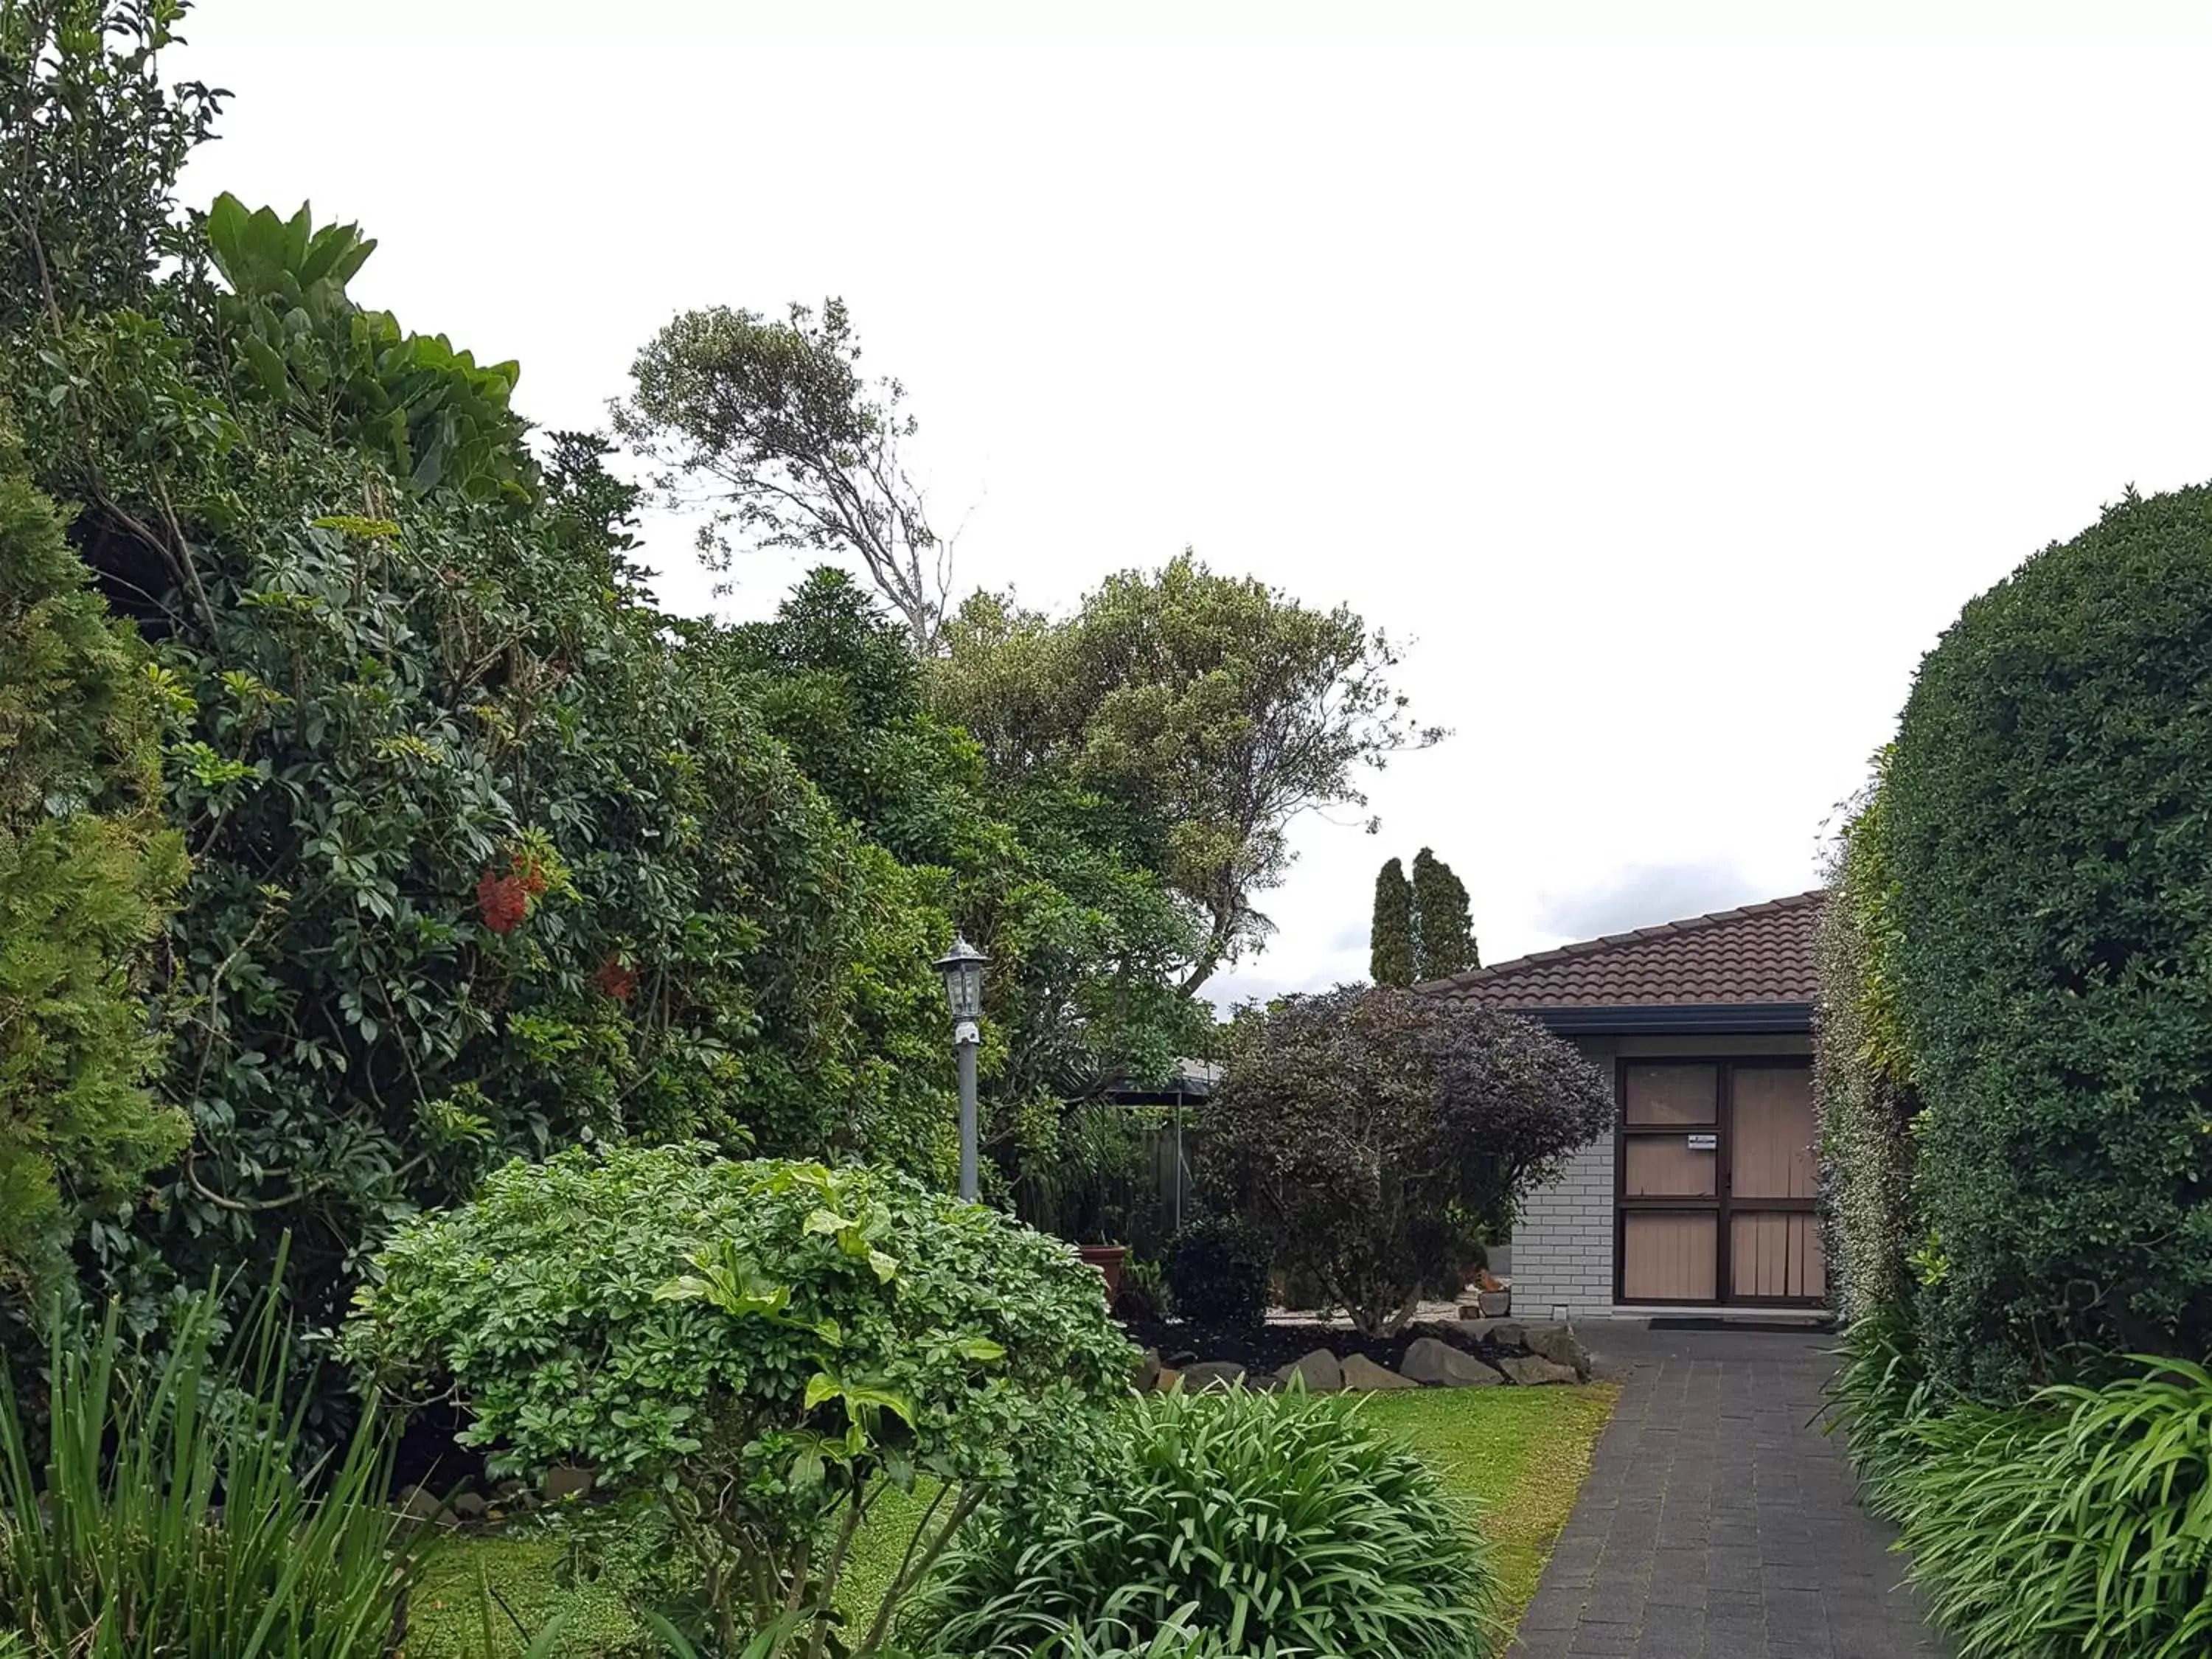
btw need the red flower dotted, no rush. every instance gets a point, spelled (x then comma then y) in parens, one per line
(503, 900)
(617, 978)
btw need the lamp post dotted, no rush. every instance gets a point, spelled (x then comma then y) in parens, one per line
(962, 967)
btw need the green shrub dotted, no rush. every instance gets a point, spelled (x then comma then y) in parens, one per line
(1862, 1078)
(1218, 1271)
(1244, 1520)
(1373, 1135)
(1144, 1293)
(765, 1346)
(175, 1514)
(2052, 857)
(2077, 1526)
(88, 878)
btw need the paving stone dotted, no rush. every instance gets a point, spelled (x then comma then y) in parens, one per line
(1719, 1521)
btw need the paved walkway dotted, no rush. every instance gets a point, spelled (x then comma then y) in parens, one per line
(1718, 1522)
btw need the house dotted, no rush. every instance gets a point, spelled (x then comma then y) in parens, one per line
(1702, 1191)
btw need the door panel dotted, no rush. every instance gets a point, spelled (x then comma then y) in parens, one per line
(1770, 1132)
(1775, 1254)
(1668, 1255)
(1659, 1095)
(1669, 1166)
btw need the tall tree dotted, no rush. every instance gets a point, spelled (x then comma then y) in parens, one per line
(1391, 935)
(90, 143)
(795, 447)
(1443, 932)
(1201, 715)
(488, 857)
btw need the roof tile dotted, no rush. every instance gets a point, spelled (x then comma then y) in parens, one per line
(1760, 953)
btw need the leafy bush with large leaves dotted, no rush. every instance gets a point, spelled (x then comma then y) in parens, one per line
(2052, 859)
(1373, 1134)
(488, 855)
(1231, 1523)
(766, 1344)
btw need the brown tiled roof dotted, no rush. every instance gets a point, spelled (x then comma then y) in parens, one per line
(1761, 953)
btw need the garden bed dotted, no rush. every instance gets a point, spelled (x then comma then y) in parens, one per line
(1268, 1348)
(1516, 1457)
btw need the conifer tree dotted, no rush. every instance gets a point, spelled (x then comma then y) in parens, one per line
(87, 874)
(1390, 939)
(1443, 932)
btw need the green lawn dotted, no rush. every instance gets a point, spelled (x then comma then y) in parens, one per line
(1517, 1456)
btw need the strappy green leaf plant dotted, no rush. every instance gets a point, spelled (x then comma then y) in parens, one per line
(1237, 1524)
(2077, 1525)
(173, 1512)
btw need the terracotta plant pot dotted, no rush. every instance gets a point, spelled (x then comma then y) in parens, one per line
(1107, 1259)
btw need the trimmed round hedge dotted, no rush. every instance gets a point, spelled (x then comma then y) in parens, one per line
(1225, 1523)
(2050, 829)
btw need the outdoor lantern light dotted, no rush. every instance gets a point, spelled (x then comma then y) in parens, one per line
(962, 967)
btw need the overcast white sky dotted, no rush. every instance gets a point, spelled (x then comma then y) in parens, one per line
(1669, 373)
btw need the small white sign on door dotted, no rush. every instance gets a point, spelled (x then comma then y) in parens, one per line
(1705, 1143)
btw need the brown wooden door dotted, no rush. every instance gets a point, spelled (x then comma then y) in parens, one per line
(1716, 1186)
(1774, 1227)
(1669, 1225)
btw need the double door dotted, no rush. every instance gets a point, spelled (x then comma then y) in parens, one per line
(1717, 1195)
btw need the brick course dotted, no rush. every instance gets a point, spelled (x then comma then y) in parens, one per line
(1562, 1240)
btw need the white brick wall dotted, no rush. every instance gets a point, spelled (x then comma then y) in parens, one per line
(1562, 1240)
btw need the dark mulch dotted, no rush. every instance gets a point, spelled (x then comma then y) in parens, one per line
(1270, 1347)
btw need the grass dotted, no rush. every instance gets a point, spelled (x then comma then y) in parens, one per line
(1517, 1456)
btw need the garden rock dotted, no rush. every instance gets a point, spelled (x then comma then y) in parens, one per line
(420, 1503)
(1364, 1375)
(1508, 1333)
(1560, 1345)
(1441, 1365)
(469, 1505)
(1533, 1371)
(1211, 1374)
(1148, 1371)
(562, 1480)
(1321, 1369)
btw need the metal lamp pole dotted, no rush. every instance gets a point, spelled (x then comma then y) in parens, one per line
(962, 968)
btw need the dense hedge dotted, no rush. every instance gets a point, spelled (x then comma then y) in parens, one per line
(1863, 1076)
(2051, 846)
